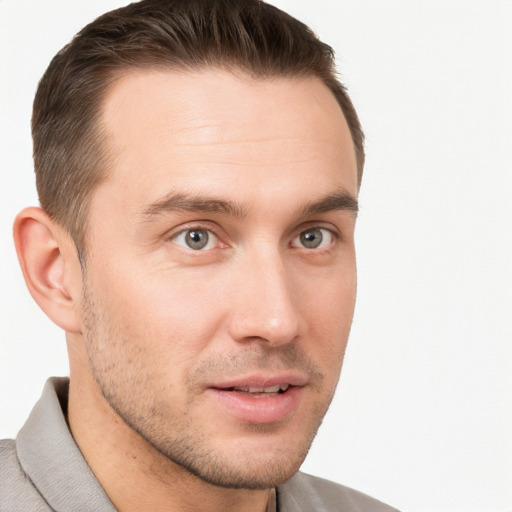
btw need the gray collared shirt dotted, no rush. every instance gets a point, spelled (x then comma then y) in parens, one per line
(43, 470)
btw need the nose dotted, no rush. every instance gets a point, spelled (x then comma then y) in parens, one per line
(265, 305)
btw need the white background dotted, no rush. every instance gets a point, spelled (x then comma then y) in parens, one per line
(422, 418)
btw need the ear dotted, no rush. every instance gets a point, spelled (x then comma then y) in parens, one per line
(50, 266)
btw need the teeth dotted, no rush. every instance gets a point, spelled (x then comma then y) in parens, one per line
(270, 389)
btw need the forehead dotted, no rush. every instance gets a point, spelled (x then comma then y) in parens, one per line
(213, 128)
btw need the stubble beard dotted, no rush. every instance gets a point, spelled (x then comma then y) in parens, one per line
(137, 396)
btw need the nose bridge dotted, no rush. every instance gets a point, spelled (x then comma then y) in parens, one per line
(266, 307)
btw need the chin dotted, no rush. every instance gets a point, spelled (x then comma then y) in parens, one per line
(249, 474)
(244, 463)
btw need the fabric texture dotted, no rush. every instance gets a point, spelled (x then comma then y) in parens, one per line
(43, 470)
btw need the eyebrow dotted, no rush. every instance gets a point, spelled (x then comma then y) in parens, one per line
(340, 200)
(183, 202)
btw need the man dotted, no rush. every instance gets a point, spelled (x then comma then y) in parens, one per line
(198, 166)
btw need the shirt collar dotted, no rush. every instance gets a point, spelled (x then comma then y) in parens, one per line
(50, 457)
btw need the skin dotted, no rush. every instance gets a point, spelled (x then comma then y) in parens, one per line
(155, 328)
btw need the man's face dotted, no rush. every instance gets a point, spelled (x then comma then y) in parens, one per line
(220, 276)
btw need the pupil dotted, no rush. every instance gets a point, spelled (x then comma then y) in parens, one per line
(311, 239)
(197, 239)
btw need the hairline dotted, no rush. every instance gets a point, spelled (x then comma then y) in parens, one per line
(100, 136)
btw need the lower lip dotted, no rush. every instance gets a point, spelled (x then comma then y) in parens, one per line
(258, 409)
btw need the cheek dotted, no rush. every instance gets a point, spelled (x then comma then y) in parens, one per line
(330, 308)
(171, 315)
(330, 295)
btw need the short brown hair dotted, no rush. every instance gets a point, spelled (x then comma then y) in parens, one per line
(246, 35)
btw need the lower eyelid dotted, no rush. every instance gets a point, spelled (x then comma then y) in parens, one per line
(216, 241)
(212, 238)
(334, 237)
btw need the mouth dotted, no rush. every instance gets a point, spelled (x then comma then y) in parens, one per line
(259, 400)
(259, 392)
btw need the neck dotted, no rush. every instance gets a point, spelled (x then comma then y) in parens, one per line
(135, 476)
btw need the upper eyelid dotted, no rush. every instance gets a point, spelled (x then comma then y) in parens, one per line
(190, 226)
(336, 236)
(212, 238)
(172, 235)
(333, 229)
(221, 234)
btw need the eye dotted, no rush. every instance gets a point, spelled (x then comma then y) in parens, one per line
(315, 238)
(195, 239)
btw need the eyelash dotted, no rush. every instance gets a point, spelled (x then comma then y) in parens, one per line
(334, 237)
(198, 230)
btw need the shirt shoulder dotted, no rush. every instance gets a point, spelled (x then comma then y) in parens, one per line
(17, 492)
(305, 492)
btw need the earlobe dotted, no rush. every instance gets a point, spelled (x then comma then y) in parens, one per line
(49, 265)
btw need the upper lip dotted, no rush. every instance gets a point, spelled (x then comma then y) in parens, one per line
(261, 381)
